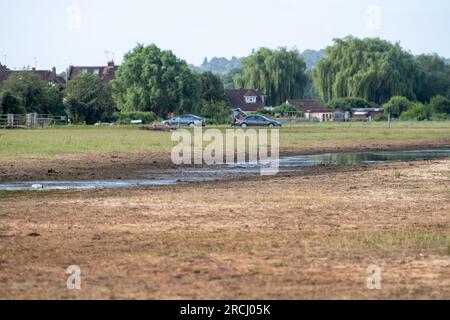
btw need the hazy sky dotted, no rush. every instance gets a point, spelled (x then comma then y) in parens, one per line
(62, 32)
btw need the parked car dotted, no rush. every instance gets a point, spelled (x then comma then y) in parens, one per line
(188, 120)
(257, 121)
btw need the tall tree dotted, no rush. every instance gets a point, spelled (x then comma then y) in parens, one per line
(34, 94)
(9, 103)
(88, 100)
(434, 77)
(151, 79)
(280, 74)
(211, 87)
(372, 69)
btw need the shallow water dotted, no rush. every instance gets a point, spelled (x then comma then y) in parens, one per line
(211, 173)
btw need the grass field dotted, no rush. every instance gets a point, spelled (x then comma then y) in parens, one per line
(45, 143)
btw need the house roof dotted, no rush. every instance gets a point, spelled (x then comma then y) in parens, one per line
(237, 99)
(106, 73)
(251, 93)
(44, 75)
(305, 104)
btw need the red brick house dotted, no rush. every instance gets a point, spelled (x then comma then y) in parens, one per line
(248, 100)
(106, 73)
(48, 76)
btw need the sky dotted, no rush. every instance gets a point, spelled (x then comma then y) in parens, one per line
(47, 33)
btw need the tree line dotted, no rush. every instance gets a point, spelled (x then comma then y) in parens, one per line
(351, 73)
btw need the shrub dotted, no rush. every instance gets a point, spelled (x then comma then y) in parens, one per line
(440, 105)
(347, 104)
(264, 111)
(285, 110)
(9, 103)
(216, 112)
(397, 105)
(417, 111)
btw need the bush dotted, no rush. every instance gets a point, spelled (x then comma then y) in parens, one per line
(397, 105)
(440, 105)
(347, 104)
(126, 117)
(264, 112)
(440, 116)
(83, 113)
(216, 112)
(417, 111)
(9, 103)
(285, 110)
(88, 100)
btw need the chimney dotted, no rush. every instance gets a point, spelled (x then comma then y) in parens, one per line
(111, 63)
(54, 71)
(33, 69)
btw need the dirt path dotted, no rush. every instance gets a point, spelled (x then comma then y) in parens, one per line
(306, 236)
(126, 165)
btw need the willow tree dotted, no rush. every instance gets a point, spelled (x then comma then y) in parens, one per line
(434, 77)
(151, 79)
(280, 74)
(372, 69)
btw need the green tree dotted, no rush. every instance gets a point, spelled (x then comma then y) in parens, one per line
(216, 112)
(88, 100)
(397, 105)
(348, 103)
(9, 103)
(417, 111)
(285, 109)
(211, 87)
(228, 78)
(280, 74)
(434, 77)
(35, 95)
(440, 104)
(372, 69)
(151, 79)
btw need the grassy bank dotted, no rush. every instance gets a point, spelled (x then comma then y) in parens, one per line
(43, 143)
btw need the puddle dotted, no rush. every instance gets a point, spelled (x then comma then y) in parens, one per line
(225, 172)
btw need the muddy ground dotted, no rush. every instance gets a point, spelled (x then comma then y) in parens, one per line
(129, 165)
(310, 235)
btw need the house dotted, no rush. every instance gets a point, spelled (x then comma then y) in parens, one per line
(366, 114)
(248, 100)
(303, 105)
(106, 73)
(321, 115)
(49, 76)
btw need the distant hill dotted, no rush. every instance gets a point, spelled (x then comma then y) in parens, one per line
(218, 65)
(312, 57)
(221, 66)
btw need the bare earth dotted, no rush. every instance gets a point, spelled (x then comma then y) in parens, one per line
(307, 236)
(127, 165)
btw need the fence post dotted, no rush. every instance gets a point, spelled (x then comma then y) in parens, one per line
(10, 121)
(29, 120)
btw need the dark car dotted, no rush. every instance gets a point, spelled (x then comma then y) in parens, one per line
(257, 121)
(188, 120)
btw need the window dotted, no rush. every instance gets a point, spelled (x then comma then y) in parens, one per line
(97, 71)
(251, 99)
